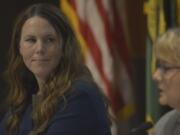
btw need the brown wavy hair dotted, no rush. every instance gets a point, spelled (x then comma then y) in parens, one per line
(23, 83)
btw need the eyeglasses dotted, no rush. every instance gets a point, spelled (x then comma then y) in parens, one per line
(166, 68)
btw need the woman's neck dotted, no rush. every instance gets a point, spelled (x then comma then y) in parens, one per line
(41, 83)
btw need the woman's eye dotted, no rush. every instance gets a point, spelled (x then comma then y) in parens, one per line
(50, 39)
(31, 40)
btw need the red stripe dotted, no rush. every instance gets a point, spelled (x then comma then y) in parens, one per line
(117, 98)
(97, 57)
(107, 28)
(119, 37)
(87, 33)
(115, 36)
(91, 42)
(73, 3)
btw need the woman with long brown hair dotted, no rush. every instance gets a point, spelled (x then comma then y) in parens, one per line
(51, 91)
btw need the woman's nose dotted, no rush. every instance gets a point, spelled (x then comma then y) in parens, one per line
(157, 75)
(40, 48)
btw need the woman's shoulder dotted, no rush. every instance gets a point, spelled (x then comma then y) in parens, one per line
(167, 118)
(83, 111)
(84, 91)
(85, 87)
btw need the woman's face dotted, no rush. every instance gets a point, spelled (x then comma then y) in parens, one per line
(40, 47)
(167, 77)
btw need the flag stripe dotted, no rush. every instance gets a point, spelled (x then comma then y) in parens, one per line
(71, 15)
(108, 32)
(70, 10)
(98, 57)
(91, 17)
(121, 45)
(93, 22)
(93, 46)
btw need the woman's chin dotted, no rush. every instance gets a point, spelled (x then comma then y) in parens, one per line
(163, 101)
(41, 75)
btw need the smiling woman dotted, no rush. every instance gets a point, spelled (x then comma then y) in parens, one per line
(167, 76)
(40, 48)
(51, 91)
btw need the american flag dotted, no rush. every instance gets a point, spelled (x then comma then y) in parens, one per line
(98, 27)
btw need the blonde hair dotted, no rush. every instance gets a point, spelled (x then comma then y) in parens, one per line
(167, 46)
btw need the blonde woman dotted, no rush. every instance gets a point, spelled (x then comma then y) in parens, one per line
(167, 76)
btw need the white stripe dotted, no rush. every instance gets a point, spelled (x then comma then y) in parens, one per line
(81, 7)
(91, 65)
(125, 84)
(90, 15)
(107, 7)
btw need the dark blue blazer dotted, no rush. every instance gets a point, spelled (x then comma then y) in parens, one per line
(84, 114)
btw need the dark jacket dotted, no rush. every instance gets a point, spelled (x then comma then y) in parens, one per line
(84, 114)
